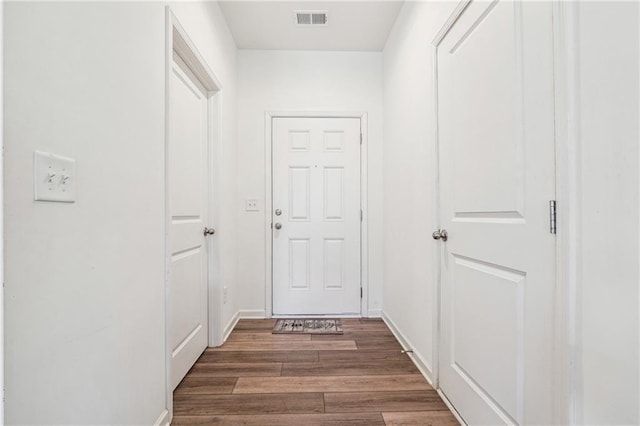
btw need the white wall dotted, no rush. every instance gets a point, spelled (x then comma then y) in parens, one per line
(409, 158)
(608, 68)
(301, 81)
(85, 329)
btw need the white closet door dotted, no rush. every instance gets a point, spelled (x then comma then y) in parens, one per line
(187, 171)
(496, 139)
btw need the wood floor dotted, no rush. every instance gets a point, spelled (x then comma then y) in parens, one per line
(259, 378)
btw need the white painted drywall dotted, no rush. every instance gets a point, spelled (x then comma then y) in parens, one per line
(304, 81)
(608, 68)
(352, 25)
(85, 320)
(409, 175)
(84, 281)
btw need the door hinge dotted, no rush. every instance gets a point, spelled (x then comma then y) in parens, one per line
(360, 292)
(360, 138)
(361, 215)
(552, 217)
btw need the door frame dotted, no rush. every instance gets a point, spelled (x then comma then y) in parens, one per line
(2, 219)
(364, 225)
(567, 324)
(177, 39)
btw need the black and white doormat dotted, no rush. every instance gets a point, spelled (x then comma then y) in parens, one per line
(308, 326)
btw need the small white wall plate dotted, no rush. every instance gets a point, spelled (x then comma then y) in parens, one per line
(54, 178)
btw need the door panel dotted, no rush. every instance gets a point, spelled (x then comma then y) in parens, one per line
(333, 193)
(316, 185)
(187, 174)
(299, 196)
(333, 257)
(496, 139)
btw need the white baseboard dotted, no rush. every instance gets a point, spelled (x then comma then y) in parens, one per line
(163, 419)
(262, 314)
(374, 313)
(451, 407)
(229, 328)
(415, 356)
(309, 316)
(252, 314)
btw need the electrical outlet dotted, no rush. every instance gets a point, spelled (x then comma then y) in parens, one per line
(224, 295)
(251, 205)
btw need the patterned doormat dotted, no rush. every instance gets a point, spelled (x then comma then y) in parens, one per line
(308, 326)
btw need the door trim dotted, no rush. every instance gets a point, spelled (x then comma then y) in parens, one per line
(437, 302)
(2, 223)
(364, 226)
(568, 326)
(177, 39)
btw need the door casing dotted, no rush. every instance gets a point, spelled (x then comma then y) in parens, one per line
(178, 40)
(364, 240)
(2, 225)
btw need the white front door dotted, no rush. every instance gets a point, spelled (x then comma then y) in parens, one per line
(187, 181)
(316, 216)
(496, 141)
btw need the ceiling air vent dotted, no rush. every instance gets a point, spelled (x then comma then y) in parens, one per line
(311, 17)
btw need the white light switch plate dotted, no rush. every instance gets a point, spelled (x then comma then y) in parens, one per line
(54, 178)
(251, 205)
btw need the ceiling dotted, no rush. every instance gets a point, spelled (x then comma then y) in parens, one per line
(352, 25)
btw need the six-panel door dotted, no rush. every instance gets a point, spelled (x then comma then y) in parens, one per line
(316, 187)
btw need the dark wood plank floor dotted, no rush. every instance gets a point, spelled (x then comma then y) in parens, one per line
(259, 378)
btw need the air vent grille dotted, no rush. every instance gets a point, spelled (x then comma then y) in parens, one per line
(311, 17)
(303, 18)
(318, 18)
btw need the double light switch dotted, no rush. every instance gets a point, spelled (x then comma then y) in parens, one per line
(54, 178)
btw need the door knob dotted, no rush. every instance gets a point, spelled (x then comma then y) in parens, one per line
(278, 212)
(209, 231)
(278, 226)
(440, 234)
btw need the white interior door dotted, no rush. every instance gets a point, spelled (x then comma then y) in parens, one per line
(187, 180)
(316, 202)
(496, 139)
